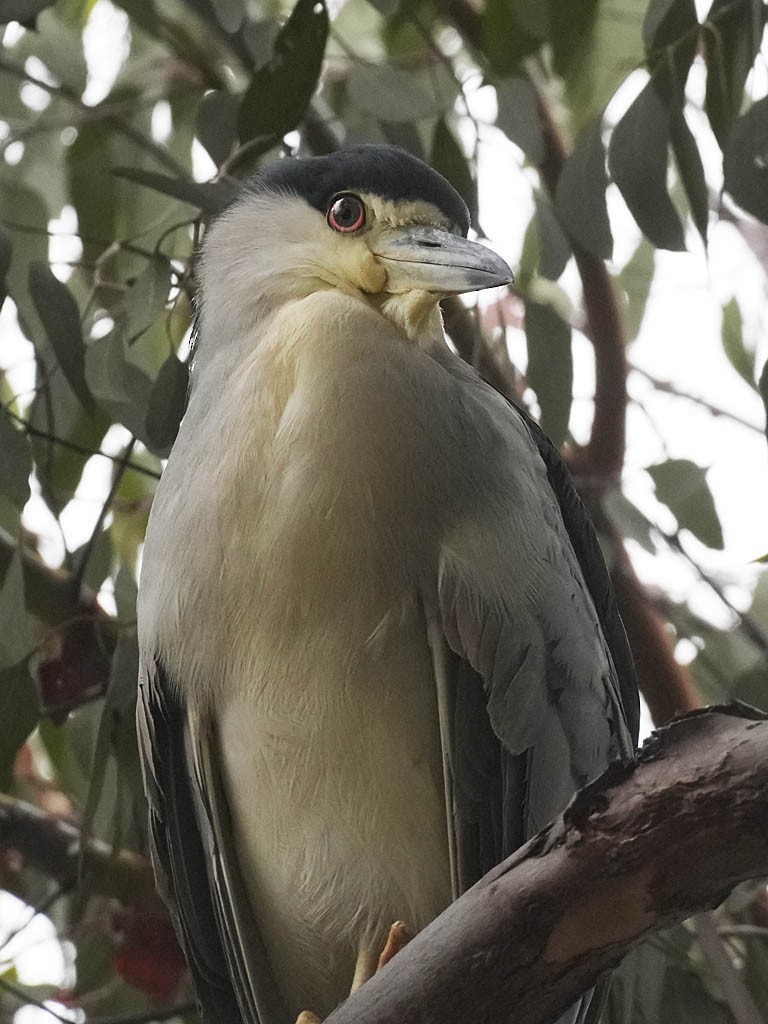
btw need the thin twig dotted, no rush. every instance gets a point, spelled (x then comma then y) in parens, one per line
(670, 389)
(735, 992)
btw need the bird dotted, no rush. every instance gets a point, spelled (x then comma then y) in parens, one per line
(379, 648)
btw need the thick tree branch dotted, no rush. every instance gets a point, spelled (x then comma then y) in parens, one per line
(541, 928)
(52, 846)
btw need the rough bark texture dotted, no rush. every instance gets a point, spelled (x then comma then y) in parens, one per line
(538, 930)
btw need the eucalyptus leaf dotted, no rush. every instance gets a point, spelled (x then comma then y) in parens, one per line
(690, 169)
(638, 158)
(518, 116)
(732, 36)
(217, 124)
(448, 158)
(635, 281)
(745, 163)
(682, 486)
(229, 13)
(280, 91)
(550, 367)
(666, 21)
(512, 31)
(15, 461)
(740, 358)
(580, 196)
(16, 637)
(554, 245)
(397, 94)
(60, 318)
(166, 404)
(24, 11)
(145, 299)
(19, 714)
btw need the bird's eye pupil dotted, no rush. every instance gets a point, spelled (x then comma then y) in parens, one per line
(346, 214)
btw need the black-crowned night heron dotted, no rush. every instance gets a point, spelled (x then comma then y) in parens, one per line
(379, 647)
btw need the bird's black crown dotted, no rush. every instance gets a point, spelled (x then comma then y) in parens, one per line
(385, 171)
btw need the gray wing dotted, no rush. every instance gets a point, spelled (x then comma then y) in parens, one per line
(536, 666)
(195, 862)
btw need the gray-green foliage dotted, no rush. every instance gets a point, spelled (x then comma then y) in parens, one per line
(108, 329)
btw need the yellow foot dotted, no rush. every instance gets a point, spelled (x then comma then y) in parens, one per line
(399, 936)
(306, 1017)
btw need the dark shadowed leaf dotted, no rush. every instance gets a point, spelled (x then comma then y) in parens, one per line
(763, 388)
(518, 116)
(580, 197)
(448, 158)
(229, 13)
(554, 245)
(550, 367)
(638, 158)
(15, 461)
(6, 252)
(732, 36)
(60, 318)
(739, 356)
(120, 387)
(691, 170)
(209, 196)
(513, 31)
(18, 713)
(145, 299)
(570, 26)
(280, 91)
(682, 486)
(166, 404)
(24, 11)
(666, 21)
(745, 163)
(16, 637)
(217, 124)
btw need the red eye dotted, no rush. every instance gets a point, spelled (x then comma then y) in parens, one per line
(346, 213)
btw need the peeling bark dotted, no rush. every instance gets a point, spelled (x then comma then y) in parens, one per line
(540, 929)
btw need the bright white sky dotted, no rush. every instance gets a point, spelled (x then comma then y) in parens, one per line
(679, 342)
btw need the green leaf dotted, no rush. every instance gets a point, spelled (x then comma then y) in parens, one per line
(628, 519)
(762, 386)
(732, 36)
(580, 196)
(550, 367)
(16, 639)
(229, 13)
(145, 299)
(554, 245)
(571, 26)
(691, 170)
(397, 94)
(120, 387)
(449, 160)
(18, 713)
(281, 90)
(682, 486)
(635, 282)
(638, 158)
(745, 163)
(15, 461)
(518, 116)
(666, 21)
(60, 318)
(212, 197)
(740, 358)
(513, 30)
(217, 124)
(24, 11)
(23, 206)
(6, 253)
(166, 404)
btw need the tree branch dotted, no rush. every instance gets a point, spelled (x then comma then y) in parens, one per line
(540, 929)
(52, 846)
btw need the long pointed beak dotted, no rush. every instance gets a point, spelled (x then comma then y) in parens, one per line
(430, 260)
